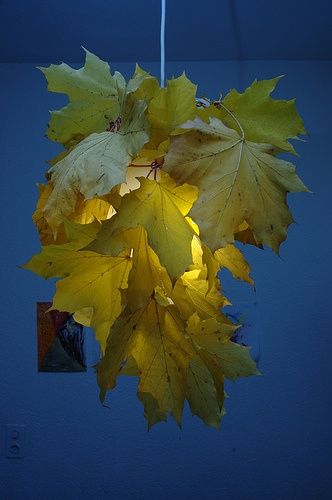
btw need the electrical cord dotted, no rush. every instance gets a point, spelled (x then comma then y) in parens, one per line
(162, 43)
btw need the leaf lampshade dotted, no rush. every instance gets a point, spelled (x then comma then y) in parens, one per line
(142, 209)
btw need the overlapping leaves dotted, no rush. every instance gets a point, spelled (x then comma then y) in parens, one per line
(238, 180)
(141, 211)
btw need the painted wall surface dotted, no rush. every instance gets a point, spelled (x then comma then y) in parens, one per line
(275, 442)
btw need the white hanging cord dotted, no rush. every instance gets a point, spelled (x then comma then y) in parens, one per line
(162, 43)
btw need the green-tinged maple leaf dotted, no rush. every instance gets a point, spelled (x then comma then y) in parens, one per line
(170, 107)
(238, 181)
(262, 118)
(149, 86)
(97, 164)
(90, 281)
(96, 98)
(160, 207)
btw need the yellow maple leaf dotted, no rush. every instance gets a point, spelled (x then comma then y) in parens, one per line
(160, 207)
(213, 337)
(204, 397)
(209, 266)
(238, 181)
(90, 282)
(154, 337)
(191, 293)
(231, 258)
(146, 273)
(245, 235)
(173, 360)
(51, 261)
(85, 212)
(211, 363)
(46, 234)
(94, 281)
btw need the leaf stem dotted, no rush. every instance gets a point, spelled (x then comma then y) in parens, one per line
(155, 165)
(234, 117)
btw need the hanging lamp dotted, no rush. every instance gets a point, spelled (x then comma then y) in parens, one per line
(142, 209)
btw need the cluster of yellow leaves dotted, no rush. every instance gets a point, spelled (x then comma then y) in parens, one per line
(141, 211)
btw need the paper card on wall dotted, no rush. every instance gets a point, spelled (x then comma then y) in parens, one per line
(60, 341)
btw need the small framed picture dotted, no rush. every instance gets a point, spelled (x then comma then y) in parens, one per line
(60, 341)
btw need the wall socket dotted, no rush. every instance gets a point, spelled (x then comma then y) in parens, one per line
(15, 441)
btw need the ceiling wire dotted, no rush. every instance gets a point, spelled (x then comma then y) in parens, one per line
(162, 43)
(236, 29)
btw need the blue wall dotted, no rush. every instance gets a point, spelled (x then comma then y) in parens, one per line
(275, 442)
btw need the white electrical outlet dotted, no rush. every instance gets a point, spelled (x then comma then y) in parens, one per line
(15, 441)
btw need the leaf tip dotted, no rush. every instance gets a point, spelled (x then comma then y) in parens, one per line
(87, 52)
(102, 396)
(43, 69)
(280, 77)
